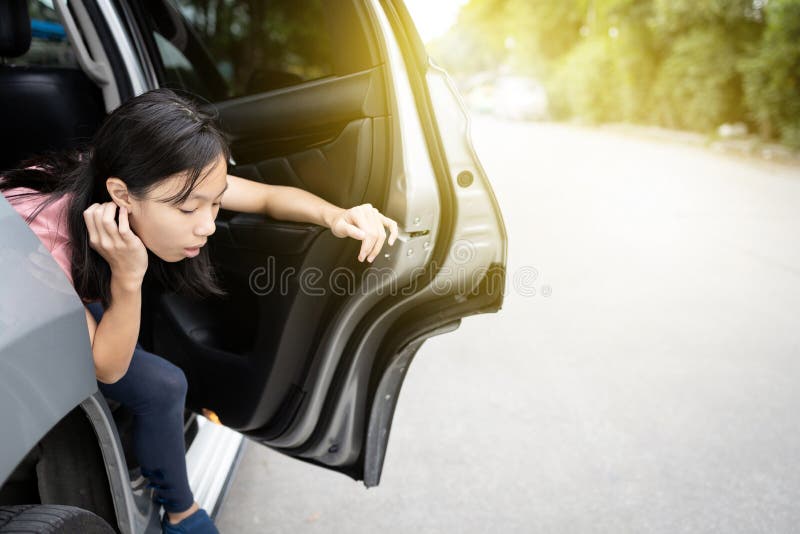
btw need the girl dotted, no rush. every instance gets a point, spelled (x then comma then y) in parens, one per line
(141, 201)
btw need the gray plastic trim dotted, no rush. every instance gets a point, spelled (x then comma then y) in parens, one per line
(383, 407)
(136, 512)
(126, 50)
(97, 71)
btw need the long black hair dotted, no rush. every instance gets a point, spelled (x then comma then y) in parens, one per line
(145, 140)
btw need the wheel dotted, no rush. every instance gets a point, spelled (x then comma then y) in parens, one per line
(50, 518)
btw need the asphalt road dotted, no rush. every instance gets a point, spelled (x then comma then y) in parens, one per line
(654, 390)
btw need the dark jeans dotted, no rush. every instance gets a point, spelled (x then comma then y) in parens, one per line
(155, 391)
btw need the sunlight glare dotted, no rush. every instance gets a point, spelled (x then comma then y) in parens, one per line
(433, 19)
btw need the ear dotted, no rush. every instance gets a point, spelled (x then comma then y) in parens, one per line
(119, 192)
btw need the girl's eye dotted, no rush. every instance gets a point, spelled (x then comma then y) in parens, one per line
(215, 204)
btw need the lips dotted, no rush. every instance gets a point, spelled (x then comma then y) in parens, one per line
(193, 251)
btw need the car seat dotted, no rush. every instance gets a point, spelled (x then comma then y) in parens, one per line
(43, 108)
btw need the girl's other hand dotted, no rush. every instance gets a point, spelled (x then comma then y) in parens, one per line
(368, 225)
(116, 243)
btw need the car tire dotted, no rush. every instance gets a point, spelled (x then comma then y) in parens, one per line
(50, 518)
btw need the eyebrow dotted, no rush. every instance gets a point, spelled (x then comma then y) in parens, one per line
(203, 197)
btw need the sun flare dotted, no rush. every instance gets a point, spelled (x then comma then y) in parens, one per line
(434, 18)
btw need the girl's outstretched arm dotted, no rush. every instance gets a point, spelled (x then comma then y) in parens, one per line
(362, 222)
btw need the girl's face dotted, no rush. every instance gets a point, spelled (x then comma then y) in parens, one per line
(176, 232)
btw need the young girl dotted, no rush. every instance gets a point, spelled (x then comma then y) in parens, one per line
(141, 201)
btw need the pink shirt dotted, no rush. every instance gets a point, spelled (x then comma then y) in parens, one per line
(50, 225)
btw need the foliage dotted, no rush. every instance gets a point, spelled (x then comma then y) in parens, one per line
(697, 86)
(771, 74)
(691, 64)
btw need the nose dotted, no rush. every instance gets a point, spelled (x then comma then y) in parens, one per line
(206, 227)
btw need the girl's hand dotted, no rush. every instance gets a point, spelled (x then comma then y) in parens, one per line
(366, 224)
(117, 244)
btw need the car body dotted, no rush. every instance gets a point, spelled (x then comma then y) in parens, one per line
(307, 353)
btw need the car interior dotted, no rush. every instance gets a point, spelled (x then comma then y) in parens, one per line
(321, 124)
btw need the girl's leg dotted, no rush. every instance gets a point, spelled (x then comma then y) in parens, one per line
(155, 391)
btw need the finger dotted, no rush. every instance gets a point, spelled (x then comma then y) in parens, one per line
(124, 224)
(353, 231)
(104, 239)
(109, 224)
(368, 241)
(393, 230)
(91, 227)
(380, 232)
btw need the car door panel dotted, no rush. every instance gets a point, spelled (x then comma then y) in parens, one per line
(335, 169)
(304, 108)
(245, 355)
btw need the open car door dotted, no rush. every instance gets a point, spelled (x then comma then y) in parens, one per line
(307, 352)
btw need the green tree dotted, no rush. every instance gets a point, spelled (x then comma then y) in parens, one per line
(698, 86)
(583, 86)
(691, 64)
(545, 30)
(608, 73)
(771, 73)
(477, 42)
